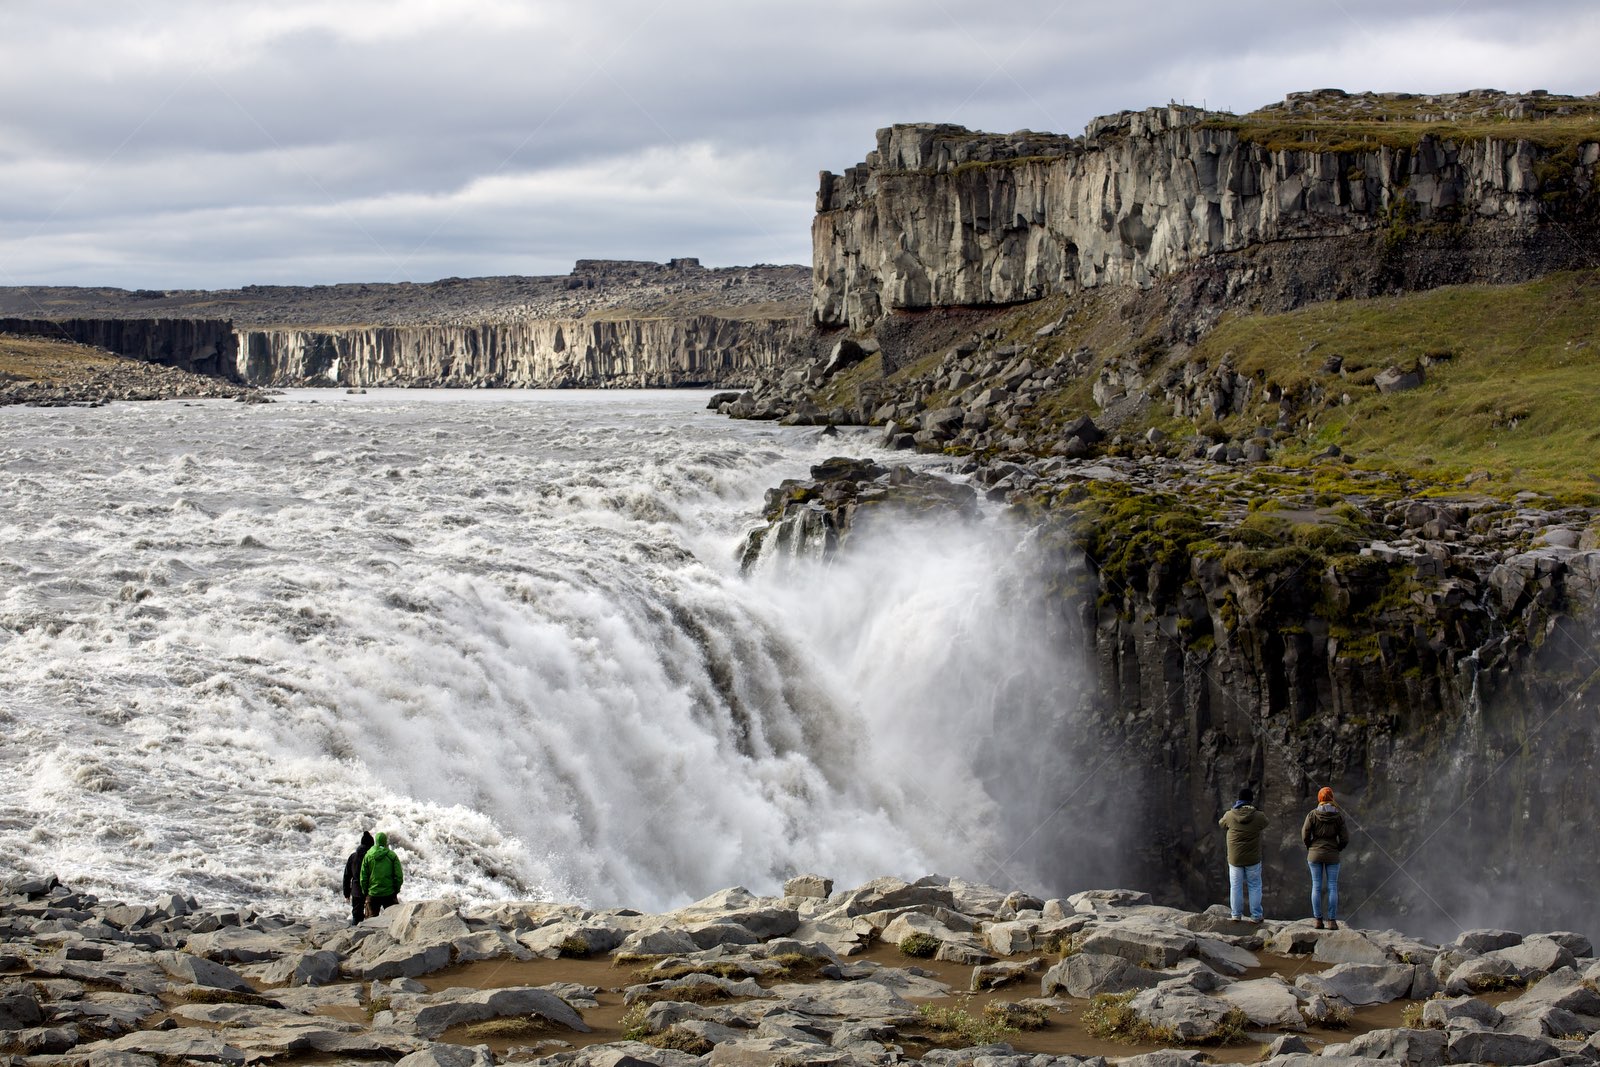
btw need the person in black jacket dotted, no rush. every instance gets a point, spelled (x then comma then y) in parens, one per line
(352, 879)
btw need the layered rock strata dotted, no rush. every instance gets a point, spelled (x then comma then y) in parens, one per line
(737, 978)
(698, 350)
(609, 323)
(940, 216)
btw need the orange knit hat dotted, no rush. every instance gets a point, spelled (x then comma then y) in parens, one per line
(1325, 795)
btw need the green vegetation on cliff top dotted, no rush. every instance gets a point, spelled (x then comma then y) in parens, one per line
(1511, 380)
(1366, 122)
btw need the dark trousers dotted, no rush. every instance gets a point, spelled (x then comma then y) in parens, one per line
(358, 908)
(379, 903)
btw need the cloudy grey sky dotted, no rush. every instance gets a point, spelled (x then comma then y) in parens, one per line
(215, 143)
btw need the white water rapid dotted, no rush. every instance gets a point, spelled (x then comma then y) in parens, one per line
(508, 628)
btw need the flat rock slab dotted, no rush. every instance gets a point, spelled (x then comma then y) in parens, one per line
(1362, 983)
(1269, 1002)
(184, 1043)
(197, 970)
(450, 1008)
(1508, 1050)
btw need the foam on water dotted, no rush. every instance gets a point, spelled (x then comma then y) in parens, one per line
(510, 630)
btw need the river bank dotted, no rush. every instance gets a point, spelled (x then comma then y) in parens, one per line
(938, 971)
(46, 373)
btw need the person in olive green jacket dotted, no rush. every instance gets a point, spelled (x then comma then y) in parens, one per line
(1325, 837)
(381, 877)
(1244, 823)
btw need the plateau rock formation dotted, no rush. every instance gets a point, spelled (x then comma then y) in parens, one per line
(608, 323)
(939, 216)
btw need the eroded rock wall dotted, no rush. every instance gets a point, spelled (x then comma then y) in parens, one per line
(200, 346)
(940, 216)
(550, 353)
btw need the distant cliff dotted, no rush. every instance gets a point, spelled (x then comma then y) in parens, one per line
(609, 323)
(1489, 186)
(695, 350)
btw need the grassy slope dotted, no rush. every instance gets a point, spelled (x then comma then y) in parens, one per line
(32, 359)
(1517, 393)
(1513, 385)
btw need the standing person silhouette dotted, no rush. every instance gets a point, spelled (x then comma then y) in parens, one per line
(1244, 824)
(1325, 837)
(381, 876)
(352, 878)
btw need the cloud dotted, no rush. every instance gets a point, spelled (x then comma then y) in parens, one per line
(180, 142)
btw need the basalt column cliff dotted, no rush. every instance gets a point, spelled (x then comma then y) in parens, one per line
(939, 216)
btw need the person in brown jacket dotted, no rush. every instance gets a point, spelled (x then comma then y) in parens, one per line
(1324, 836)
(1244, 824)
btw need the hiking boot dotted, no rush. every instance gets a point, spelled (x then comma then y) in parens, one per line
(1319, 925)
(1333, 924)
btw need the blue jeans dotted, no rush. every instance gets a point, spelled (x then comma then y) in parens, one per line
(1324, 874)
(1240, 878)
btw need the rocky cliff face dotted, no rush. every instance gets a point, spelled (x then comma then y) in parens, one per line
(1432, 661)
(695, 350)
(200, 346)
(940, 216)
(607, 323)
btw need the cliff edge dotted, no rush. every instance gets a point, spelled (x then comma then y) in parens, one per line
(939, 216)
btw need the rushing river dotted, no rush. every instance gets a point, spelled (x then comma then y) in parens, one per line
(510, 629)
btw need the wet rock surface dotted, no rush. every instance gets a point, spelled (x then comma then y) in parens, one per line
(764, 998)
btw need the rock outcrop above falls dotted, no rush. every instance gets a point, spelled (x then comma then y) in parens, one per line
(1430, 659)
(937, 971)
(939, 216)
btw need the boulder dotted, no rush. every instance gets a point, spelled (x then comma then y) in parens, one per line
(455, 1007)
(1397, 380)
(1535, 956)
(996, 975)
(1414, 1048)
(808, 886)
(883, 894)
(1270, 1003)
(425, 920)
(189, 1043)
(197, 970)
(1229, 959)
(1347, 946)
(1481, 941)
(306, 968)
(662, 941)
(381, 958)
(448, 1056)
(1483, 974)
(1461, 1013)
(19, 1011)
(1190, 1015)
(239, 944)
(1085, 974)
(1507, 1050)
(1139, 943)
(1361, 983)
(1577, 944)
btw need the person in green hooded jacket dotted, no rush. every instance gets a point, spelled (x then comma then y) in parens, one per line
(381, 877)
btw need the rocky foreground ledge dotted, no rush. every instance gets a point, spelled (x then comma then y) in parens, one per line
(938, 971)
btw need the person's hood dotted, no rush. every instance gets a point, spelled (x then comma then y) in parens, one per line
(1242, 808)
(366, 841)
(1326, 813)
(383, 840)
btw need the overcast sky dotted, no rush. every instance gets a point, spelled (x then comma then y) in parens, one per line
(215, 143)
